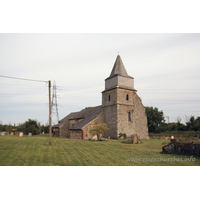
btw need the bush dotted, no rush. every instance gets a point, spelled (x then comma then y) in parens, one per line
(184, 134)
(123, 135)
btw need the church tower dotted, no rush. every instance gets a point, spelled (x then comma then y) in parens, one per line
(122, 108)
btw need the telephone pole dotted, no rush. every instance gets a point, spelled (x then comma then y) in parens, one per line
(49, 112)
(26, 79)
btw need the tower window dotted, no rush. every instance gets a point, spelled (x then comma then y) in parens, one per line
(109, 97)
(129, 116)
(127, 97)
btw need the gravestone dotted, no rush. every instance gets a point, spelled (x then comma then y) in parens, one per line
(21, 134)
(29, 134)
(135, 139)
(11, 133)
(3, 133)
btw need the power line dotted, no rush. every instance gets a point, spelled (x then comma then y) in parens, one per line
(49, 86)
(23, 79)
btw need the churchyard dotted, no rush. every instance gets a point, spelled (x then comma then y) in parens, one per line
(35, 151)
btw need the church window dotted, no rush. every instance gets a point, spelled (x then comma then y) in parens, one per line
(109, 97)
(129, 116)
(127, 97)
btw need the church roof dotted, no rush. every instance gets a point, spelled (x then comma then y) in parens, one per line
(65, 119)
(119, 69)
(87, 115)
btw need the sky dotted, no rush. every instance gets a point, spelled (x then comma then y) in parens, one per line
(165, 68)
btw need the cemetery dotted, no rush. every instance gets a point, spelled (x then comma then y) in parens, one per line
(36, 151)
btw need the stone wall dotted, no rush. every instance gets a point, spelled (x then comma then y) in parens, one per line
(86, 129)
(124, 106)
(116, 113)
(113, 98)
(110, 83)
(168, 148)
(110, 118)
(64, 128)
(124, 125)
(121, 97)
(140, 118)
(182, 148)
(76, 134)
(120, 81)
(110, 112)
(125, 82)
(187, 148)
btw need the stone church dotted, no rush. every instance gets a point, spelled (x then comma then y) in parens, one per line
(122, 110)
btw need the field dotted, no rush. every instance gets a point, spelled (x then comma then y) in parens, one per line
(35, 151)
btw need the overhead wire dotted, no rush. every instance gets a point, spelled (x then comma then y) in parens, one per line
(23, 95)
(23, 79)
(82, 98)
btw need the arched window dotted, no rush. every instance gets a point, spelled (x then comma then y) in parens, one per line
(109, 97)
(129, 116)
(127, 97)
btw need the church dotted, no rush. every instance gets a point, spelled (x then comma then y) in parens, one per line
(122, 110)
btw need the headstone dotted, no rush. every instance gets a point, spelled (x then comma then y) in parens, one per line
(135, 139)
(20, 134)
(29, 134)
(3, 133)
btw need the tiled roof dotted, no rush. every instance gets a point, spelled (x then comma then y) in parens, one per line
(87, 115)
(119, 69)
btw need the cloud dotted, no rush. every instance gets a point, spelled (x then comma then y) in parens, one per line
(79, 63)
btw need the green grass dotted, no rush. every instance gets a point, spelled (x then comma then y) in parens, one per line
(35, 151)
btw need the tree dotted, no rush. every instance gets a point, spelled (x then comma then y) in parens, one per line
(173, 126)
(39, 127)
(180, 126)
(45, 128)
(8, 128)
(192, 123)
(154, 118)
(197, 124)
(29, 126)
(99, 130)
(1, 127)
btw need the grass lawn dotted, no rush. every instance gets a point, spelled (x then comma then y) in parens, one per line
(35, 151)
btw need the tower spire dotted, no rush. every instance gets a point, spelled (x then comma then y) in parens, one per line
(118, 68)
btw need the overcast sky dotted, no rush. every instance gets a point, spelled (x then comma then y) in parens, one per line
(165, 68)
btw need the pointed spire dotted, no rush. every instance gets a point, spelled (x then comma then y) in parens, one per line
(118, 68)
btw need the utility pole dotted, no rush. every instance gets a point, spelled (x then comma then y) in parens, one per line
(49, 112)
